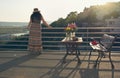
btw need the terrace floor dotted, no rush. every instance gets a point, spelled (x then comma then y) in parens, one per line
(19, 64)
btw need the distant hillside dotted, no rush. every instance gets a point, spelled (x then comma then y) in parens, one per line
(13, 23)
(90, 15)
(111, 9)
(12, 27)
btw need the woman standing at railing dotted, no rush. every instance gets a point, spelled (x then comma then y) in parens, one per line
(35, 40)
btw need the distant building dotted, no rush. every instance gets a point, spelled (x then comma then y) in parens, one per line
(98, 24)
(113, 22)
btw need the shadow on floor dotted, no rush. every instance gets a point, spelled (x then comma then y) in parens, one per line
(15, 62)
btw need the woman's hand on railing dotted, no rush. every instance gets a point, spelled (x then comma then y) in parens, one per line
(50, 27)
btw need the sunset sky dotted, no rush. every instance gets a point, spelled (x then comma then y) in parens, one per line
(20, 10)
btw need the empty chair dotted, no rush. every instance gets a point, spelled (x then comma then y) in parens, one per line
(102, 46)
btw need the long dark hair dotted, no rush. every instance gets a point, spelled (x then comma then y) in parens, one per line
(36, 16)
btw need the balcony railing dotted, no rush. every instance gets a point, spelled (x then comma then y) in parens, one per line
(51, 38)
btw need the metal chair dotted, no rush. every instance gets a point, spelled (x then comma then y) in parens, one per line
(103, 46)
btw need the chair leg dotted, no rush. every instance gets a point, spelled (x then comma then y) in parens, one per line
(112, 65)
(97, 60)
(90, 53)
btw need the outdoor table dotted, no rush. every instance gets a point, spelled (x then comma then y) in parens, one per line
(71, 47)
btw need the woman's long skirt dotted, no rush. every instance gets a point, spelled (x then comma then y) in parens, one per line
(35, 42)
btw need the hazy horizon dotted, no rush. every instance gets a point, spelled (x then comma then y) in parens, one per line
(14, 24)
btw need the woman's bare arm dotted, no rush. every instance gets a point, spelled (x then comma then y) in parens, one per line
(29, 24)
(44, 22)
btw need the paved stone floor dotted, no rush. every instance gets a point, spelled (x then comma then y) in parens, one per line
(49, 65)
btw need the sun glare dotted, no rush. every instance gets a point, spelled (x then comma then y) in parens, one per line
(99, 2)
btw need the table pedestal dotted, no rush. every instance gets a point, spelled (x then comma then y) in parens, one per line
(72, 48)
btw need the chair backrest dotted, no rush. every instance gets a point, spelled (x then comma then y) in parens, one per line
(107, 41)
